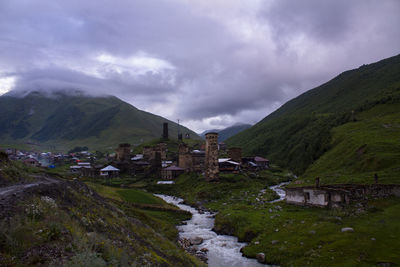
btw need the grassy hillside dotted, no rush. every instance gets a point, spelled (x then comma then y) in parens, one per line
(67, 223)
(302, 130)
(64, 121)
(362, 148)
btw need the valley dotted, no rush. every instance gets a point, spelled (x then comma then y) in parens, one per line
(337, 144)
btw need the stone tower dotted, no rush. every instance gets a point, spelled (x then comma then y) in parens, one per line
(165, 130)
(211, 161)
(235, 153)
(184, 157)
(124, 152)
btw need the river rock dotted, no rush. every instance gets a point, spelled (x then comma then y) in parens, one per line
(196, 241)
(347, 229)
(205, 250)
(260, 257)
(185, 243)
(202, 256)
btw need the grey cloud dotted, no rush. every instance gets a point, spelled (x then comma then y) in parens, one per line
(220, 68)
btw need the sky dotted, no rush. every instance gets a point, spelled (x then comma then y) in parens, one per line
(208, 63)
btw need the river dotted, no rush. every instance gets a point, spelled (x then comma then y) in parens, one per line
(223, 250)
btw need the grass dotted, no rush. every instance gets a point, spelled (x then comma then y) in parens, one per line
(299, 132)
(69, 225)
(139, 196)
(194, 189)
(362, 148)
(144, 206)
(298, 236)
(293, 235)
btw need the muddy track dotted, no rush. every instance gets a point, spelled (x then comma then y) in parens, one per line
(8, 191)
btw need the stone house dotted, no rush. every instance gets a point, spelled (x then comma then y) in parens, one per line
(32, 162)
(171, 172)
(150, 153)
(261, 162)
(191, 160)
(235, 153)
(228, 165)
(340, 195)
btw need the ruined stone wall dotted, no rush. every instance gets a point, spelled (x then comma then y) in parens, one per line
(211, 159)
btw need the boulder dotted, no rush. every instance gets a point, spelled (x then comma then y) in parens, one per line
(260, 257)
(347, 229)
(196, 240)
(273, 242)
(204, 250)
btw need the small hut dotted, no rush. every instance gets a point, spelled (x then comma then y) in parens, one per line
(109, 171)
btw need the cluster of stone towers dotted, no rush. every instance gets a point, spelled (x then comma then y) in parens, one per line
(211, 160)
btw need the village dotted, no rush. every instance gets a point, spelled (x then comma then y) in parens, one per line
(156, 161)
(209, 159)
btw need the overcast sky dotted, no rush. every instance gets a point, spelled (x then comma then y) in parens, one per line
(210, 63)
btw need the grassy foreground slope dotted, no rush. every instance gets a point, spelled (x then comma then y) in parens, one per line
(67, 223)
(301, 131)
(63, 121)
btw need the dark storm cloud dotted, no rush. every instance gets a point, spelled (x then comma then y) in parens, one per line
(202, 61)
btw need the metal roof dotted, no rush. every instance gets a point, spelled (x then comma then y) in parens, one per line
(109, 168)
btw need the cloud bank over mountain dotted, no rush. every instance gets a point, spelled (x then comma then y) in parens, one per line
(208, 63)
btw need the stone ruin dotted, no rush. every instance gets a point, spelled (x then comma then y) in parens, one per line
(211, 160)
(338, 195)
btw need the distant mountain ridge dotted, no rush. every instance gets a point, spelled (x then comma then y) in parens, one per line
(226, 133)
(66, 120)
(348, 120)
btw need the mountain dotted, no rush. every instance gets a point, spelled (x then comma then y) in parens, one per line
(346, 129)
(224, 134)
(64, 121)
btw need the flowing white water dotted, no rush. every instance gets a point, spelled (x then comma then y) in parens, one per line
(223, 250)
(278, 189)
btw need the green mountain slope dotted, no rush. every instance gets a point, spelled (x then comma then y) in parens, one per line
(228, 132)
(312, 125)
(64, 121)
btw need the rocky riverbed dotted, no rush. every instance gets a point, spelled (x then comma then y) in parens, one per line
(197, 237)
